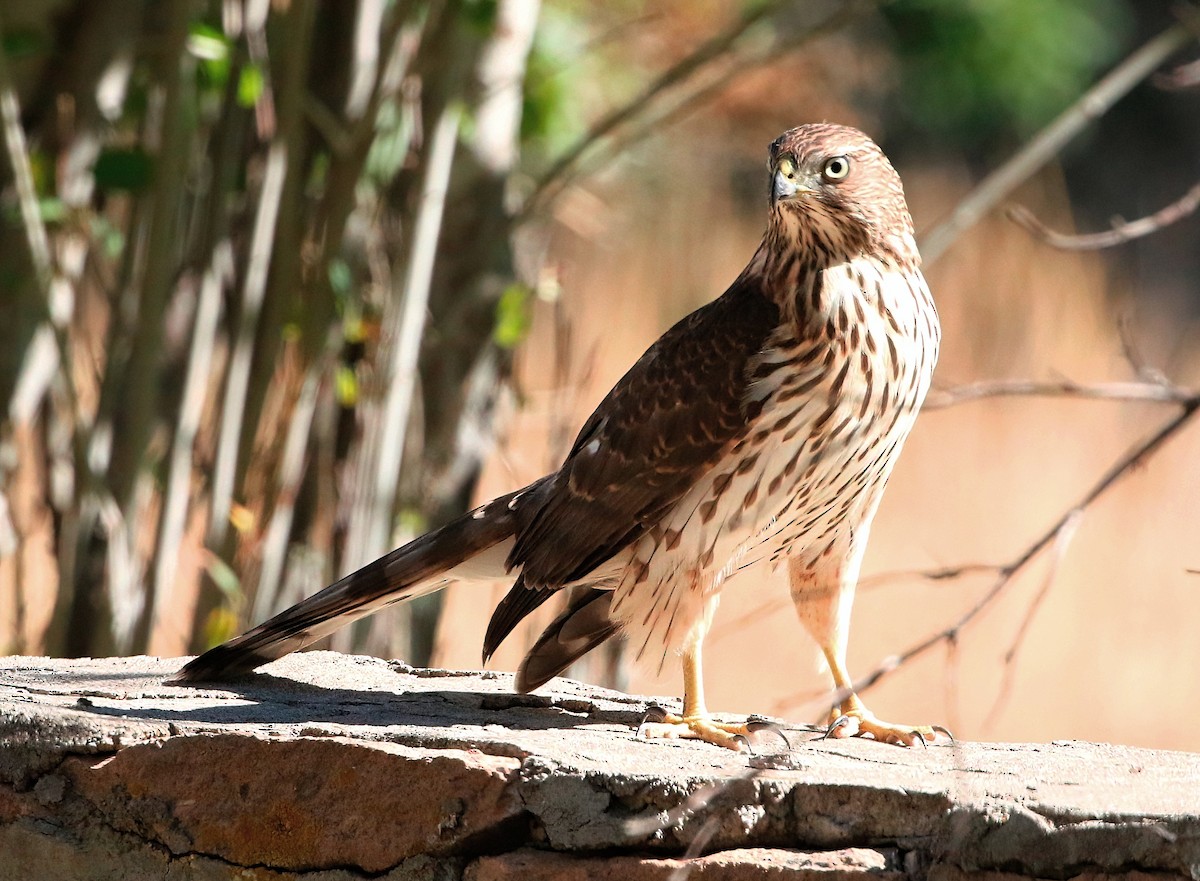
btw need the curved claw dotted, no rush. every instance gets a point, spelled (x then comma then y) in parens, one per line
(654, 713)
(755, 724)
(942, 729)
(842, 721)
(860, 723)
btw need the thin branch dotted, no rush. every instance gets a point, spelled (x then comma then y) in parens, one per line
(177, 492)
(716, 49)
(709, 70)
(1186, 76)
(1115, 473)
(372, 519)
(1121, 232)
(1108, 391)
(237, 382)
(56, 292)
(1060, 533)
(1093, 104)
(291, 474)
(706, 87)
(18, 157)
(880, 579)
(1133, 353)
(1062, 541)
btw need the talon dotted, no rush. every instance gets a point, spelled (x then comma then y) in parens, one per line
(842, 721)
(857, 721)
(654, 714)
(730, 735)
(755, 724)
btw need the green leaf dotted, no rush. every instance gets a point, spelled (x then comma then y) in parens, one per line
(410, 521)
(250, 85)
(52, 210)
(480, 14)
(124, 169)
(514, 315)
(207, 42)
(225, 579)
(214, 51)
(18, 44)
(393, 137)
(110, 238)
(982, 69)
(346, 386)
(340, 277)
(220, 625)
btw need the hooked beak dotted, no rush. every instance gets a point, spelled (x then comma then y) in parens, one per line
(784, 188)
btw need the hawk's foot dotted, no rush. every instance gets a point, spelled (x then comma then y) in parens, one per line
(658, 723)
(852, 719)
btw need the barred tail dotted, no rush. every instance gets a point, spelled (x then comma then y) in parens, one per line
(582, 626)
(475, 545)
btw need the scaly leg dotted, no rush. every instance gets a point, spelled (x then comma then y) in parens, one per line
(695, 723)
(823, 598)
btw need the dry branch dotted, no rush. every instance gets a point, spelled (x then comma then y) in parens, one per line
(1121, 232)
(371, 527)
(1043, 147)
(696, 78)
(1064, 388)
(1009, 571)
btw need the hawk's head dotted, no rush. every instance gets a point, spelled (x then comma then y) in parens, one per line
(833, 184)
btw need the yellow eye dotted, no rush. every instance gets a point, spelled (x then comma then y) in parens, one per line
(836, 169)
(787, 167)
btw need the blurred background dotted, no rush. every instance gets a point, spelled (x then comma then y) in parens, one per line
(286, 283)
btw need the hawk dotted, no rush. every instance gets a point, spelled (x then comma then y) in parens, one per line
(760, 428)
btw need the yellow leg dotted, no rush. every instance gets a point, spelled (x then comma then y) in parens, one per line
(695, 723)
(823, 600)
(850, 718)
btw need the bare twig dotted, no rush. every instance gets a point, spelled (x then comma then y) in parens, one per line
(237, 379)
(1186, 76)
(18, 157)
(57, 294)
(1093, 104)
(696, 78)
(1120, 233)
(707, 86)
(1109, 391)
(1062, 541)
(291, 472)
(1133, 353)
(371, 527)
(880, 579)
(1060, 533)
(1126, 464)
(177, 493)
(714, 50)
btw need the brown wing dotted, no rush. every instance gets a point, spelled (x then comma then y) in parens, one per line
(651, 438)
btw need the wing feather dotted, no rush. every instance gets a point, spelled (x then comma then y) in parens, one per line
(662, 426)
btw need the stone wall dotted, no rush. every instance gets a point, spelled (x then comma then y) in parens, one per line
(334, 767)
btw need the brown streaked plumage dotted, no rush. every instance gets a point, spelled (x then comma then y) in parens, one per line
(760, 428)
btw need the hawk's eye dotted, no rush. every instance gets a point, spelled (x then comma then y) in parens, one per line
(836, 169)
(787, 167)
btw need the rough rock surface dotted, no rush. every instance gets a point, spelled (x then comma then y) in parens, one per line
(331, 767)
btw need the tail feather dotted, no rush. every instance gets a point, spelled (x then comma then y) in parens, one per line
(520, 601)
(582, 626)
(475, 545)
